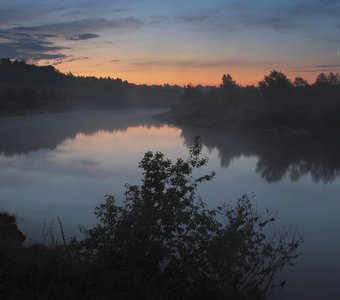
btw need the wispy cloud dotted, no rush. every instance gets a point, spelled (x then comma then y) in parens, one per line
(330, 67)
(82, 26)
(304, 8)
(41, 42)
(11, 15)
(323, 38)
(84, 36)
(283, 16)
(277, 23)
(67, 59)
(28, 47)
(193, 63)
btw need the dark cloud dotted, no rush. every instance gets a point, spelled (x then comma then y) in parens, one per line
(44, 35)
(9, 15)
(328, 66)
(321, 70)
(38, 42)
(233, 23)
(29, 47)
(304, 8)
(278, 23)
(34, 43)
(34, 57)
(331, 67)
(194, 63)
(69, 58)
(195, 19)
(283, 16)
(83, 26)
(115, 60)
(207, 21)
(9, 35)
(30, 52)
(325, 39)
(297, 14)
(30, 29)
(84, 36)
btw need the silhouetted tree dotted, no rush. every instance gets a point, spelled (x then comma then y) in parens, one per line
(299, 82)
(275, 86)
(5, 61)
(334, 79)
(9, 229)
(163, 243)
(321, 80)
(228, 82)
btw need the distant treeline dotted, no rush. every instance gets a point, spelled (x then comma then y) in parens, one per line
(276, 102)
(27, 88)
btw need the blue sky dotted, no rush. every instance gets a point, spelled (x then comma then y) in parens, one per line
(174, 41)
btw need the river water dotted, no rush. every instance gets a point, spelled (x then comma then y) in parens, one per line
(64, 164)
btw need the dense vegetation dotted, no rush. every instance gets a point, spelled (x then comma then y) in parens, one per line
(26, 88)
(161, 243)
(276, 102)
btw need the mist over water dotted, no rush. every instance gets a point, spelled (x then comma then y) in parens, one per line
(64, 164)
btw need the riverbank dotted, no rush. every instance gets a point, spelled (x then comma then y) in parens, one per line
(285, 131)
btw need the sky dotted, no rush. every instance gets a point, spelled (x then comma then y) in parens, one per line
(177, 41)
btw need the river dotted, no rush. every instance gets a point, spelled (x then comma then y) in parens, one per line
(64, 164)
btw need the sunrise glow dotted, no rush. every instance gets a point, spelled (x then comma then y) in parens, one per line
(175, 42)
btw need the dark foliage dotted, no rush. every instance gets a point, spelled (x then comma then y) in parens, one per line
(275, 103)
(26, 88)
(9, 229)
(163, 243)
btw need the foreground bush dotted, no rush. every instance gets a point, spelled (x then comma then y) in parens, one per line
(163, 243)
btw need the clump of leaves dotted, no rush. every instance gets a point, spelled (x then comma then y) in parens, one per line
(163, 242)
(9, 229)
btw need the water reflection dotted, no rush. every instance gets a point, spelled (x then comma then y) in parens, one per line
(30, 133)
(278, 155)
(47, 173)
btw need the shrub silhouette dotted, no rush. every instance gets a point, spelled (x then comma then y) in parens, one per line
(9, 229)
(163, 242)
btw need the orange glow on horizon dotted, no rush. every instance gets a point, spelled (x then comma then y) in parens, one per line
(177, 76)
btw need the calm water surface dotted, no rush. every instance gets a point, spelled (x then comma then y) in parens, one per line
(64, 164)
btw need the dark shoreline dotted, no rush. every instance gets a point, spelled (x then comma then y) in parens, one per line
(287, 132)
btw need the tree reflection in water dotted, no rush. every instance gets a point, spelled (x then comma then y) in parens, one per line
(279, 154)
